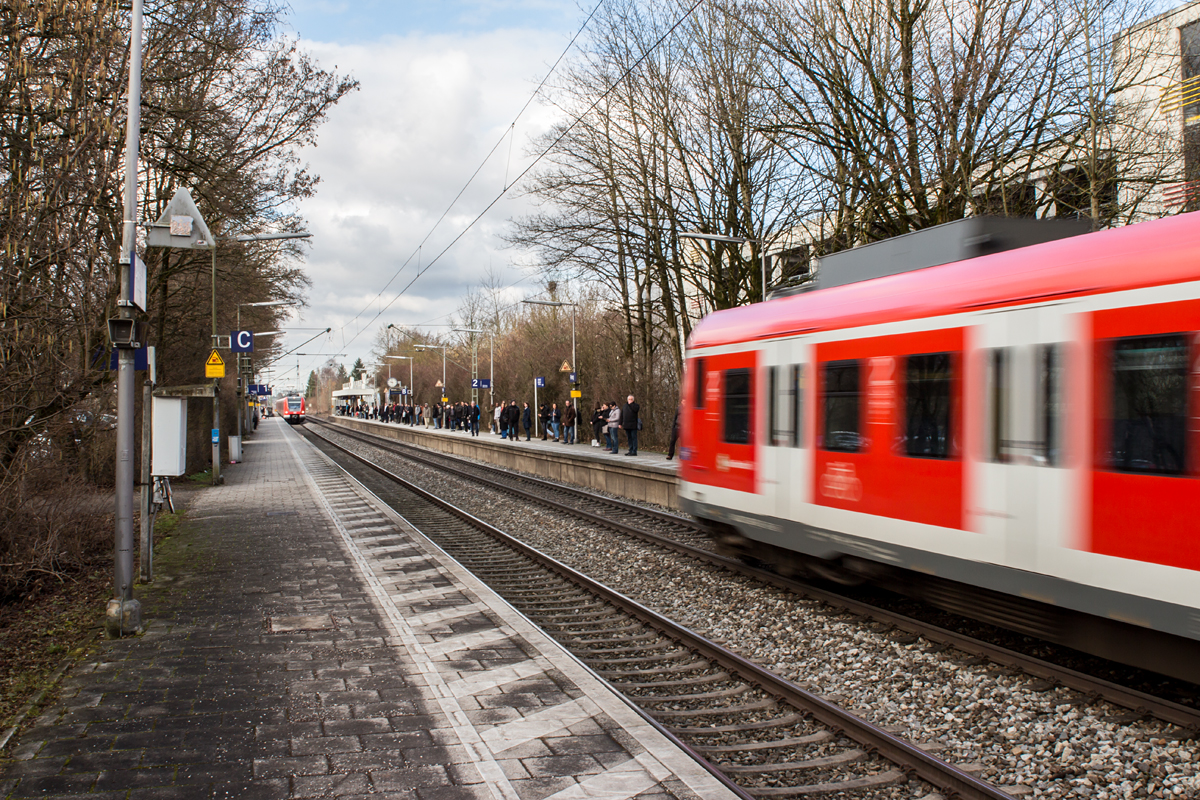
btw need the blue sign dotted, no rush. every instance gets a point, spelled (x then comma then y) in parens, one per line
(260, 389)
(571, 377)
(241, 341)
(481, 383)
(216, 435)
(141, 362)
(539, 382)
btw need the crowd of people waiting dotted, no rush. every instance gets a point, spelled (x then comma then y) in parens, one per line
(607, 420)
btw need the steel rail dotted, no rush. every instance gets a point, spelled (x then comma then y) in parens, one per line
(908, 756)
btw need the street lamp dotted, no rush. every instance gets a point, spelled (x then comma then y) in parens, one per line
(710, 237)
(574, 364)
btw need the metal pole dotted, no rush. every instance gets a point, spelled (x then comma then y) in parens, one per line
(536, 415)
(575, 366)
(238, 395)
(764, 270)
(147, 553)
(492, 372)
(123, 613)
(216, 402)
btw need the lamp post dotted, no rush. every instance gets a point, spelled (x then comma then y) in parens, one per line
(574, 364)
(710, 237)
(123, 614)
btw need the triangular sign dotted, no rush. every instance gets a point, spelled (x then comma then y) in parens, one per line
(438, 385)
(566, 367)
(180, 226)
(214, 360)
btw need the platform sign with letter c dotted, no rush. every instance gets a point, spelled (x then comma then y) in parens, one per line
(539, 383)
(241, 341)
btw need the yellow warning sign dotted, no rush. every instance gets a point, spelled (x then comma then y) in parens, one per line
(576, 393)
(215, 366)
(566, 367)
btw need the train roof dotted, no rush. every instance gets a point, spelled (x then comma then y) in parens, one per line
(1095, 263)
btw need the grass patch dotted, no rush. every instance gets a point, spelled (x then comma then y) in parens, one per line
(201, 477)
(39, 631)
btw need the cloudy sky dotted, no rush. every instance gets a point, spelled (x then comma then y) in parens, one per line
(441, 83)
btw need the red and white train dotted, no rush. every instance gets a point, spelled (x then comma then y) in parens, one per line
(1015, 436)
(291, 408)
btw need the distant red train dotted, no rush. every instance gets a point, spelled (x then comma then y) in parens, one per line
(1014, 436)
(291, 408)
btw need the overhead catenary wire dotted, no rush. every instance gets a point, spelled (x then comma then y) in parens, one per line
(545, 152)
(509, 132)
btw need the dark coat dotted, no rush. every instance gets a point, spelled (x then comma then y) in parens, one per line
(527, 418)
(629, 416)
(568, 415)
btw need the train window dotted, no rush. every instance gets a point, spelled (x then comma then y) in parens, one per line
(698, 366)
(797, 389)
(1049, 404)
(737, 406)
(1149, 404)
(842, 390)
(998, 438)
(927, 406)
(784, 389)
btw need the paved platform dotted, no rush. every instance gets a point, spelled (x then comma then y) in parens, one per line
(647, 476)
(302, 641)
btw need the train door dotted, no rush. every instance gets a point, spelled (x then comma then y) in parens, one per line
(786, 440)
(776, 439)
(1022, 421)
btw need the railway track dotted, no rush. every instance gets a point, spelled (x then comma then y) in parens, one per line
(766, 736)
(679, 535)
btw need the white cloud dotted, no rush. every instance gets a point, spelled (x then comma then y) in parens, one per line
(393, 155)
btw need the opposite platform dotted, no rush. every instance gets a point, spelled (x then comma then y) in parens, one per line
(308, 643)
(647, 476)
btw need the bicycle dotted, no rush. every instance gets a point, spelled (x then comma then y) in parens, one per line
(160, 494)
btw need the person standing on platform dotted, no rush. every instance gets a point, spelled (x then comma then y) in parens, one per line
(511, 416)
(544, 416)
(555, 419)
(476, 413)
(527, 420)
(599, 423)
(496, 416)
(614, 424)
(568, 418)
(632, 423)
(674, 434)
(437, 416)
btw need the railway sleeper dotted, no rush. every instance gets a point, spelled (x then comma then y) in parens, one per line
(853, 785)
(779, 744)
(717, 711)
(716, 677)
(640, 648)
(691, 666)
(845, 757)
(736, 691)
(783, 722)
(656, 659)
